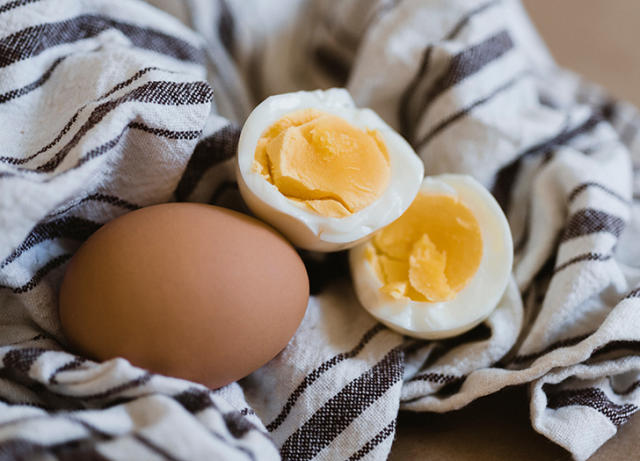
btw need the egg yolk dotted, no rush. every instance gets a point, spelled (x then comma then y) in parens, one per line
(323, 162)
(430, 253)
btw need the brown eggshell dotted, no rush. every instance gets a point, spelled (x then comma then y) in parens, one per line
(187, 290)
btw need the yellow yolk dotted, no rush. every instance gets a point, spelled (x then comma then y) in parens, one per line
(430, 252)
(323, 162)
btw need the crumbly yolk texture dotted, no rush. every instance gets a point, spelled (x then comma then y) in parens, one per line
(324, 163)
(430, 253)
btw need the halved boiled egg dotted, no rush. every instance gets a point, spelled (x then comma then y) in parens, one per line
(322, 171)
(442, 267)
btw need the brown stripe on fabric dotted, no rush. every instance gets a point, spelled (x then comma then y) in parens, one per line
(380, 437)
(12, 94)
(582, 258)
(332, 64)
(169, 134)
(437, 378)
(471, 60)
(74, 399)
(81, 453)
(19, 449)
(130, 80)
(503, 185)
(111, 200)
(584, 186)
(319, 371)
(38, 394)
(194, 400)
(37, 337)
(98, 197)
(39, 275)
(415, 346)
(106, 147)
(73, 364)
(210, 151)
(27, 404)
(99, 151)
(567, 342)
(504, 181)
(343, 408)
(255, 73)
(22, 160)
(565, 136)
(247, 411)
(467, 17)
(446, 390)
(22, 359)
(15, 4)
(65, 416)
(482, 332)
(88, 426)
(464, 111)
(522, 243)
(156, 92)
(406, 119)
(589, 221)
(594, 398)
(467, 63)
(108, 393)
(237, 424)
(73, 450)
(633, 294)
(32, 41)
(95, 431)
(609, 109)
(77, 449)
(451, 388)
(69, 124)
(41, 406)
(131, 384)
(618, 345)
(226, 27)
(69, 227)
(407, 124)
(155, 448)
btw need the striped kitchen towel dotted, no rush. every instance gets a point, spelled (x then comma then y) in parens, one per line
(111, 105)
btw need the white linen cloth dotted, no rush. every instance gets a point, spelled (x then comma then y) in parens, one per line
(110, 105)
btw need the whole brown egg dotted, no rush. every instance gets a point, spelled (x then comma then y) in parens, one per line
(186, 290)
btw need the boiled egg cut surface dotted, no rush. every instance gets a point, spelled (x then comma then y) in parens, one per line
(442, 267)
(322, 171)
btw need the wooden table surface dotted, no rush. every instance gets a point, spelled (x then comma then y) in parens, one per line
(600, 40)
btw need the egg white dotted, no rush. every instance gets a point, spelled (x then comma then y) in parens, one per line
(305, 228)
(475, 301)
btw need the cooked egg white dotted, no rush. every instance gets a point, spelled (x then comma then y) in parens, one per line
(442, 267)
(322, 171)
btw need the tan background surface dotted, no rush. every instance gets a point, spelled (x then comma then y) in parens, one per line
(601, 40)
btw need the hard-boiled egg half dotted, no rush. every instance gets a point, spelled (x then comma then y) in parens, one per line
(442, 267)
(322, 171)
